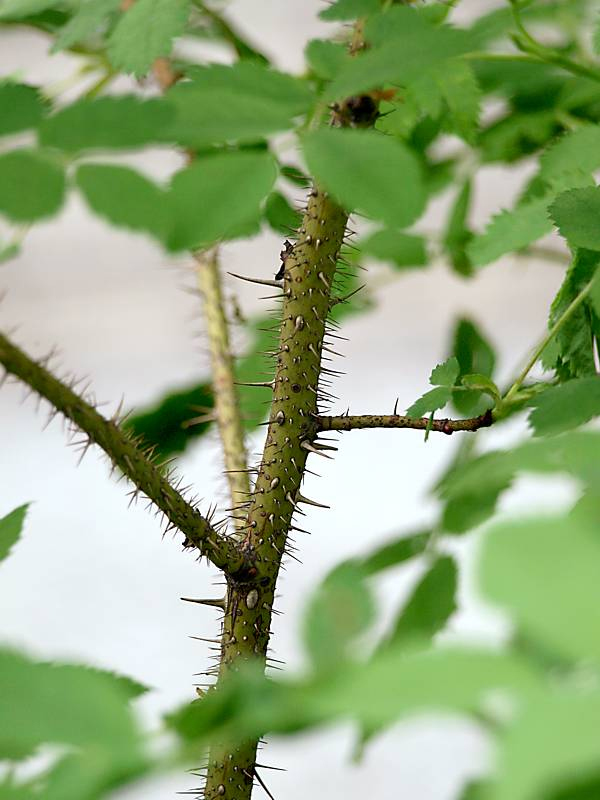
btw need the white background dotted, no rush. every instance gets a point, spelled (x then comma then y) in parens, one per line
(94, 581)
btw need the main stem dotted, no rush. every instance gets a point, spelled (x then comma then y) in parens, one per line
(309, 273)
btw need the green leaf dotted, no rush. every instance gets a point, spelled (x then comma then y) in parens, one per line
(517, 135)
(523, 563)
(217, 194)
(280, 215)
(146, 32)
(401, 249)
(21, 107)
(240, 103)
(481, 383)
(475, 355)
(430, 401)
(341, 608)
(445, 374)
(465, 510)
(566, 406)
(36, 696)
(571, 352)
(125, 198)
(457, 234)
(395, 552)
(166, 426)
(325, 58)
(368, 172)
(431, 604)
(87, 20)
(10, 530)
(460, 90)
(576, 213)
(18, 9)
(349, 9)
(573, 154)
(405, 47)
(107, 122)
(32, 186)
(510, 230)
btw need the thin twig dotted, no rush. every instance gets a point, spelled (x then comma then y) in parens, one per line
(448, 426)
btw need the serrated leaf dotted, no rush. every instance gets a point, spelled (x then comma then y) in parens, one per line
(510, 230)
(445, 374)
(405, 46)
(431, 604)
(242, 103)
(430, 401)
(146, 32)
(217, 195)
(576, 213)
(401, 249)
(368, 172)
(10, 530)
(32, 186)
(280, 215)
(21, 107)
(87, 20)
(349, 9)
(573, 154)
(166, 424)
(475, 355)
(481, 383)
(35, 696)
(551, 552)
(107, 122)
(125, 198)
(566, 406)
(341, 608)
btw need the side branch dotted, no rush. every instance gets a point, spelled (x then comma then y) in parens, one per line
(448, 426)
(124, 454)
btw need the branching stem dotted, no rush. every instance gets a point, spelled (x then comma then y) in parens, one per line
(124, 453)
(448, 426)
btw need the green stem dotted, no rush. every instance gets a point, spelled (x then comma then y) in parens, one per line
(573, 306)
(125, 454)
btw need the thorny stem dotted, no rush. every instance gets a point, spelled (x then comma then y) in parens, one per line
(227, 408)
(448, 426)
(124, 453)
(546, 340)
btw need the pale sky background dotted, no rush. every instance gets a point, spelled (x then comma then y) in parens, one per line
(94, 581)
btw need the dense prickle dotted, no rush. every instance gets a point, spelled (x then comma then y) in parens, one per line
(309, 273)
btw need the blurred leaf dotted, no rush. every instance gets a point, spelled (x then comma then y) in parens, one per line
(573, 154)
(576, 213)
(10, 530)
(368, 172)
(21, 107)
(567, 406)
(401, 249)
(62, 704)
(217, 195)
(462, 95)
(165, 425)
(339, 610)
(125, 198)
(431, 604)
(85, 22)
(523, 563)
(571, 352)
(325, 58)
(295, 175)
(405, 46)
(395, 552)
(280, 215)
(349, 9)
(430, 401)
(510, 230)
(240, 103)
(32, 186)
(457, 234)
(123, 121)
(146, 32)
(518, 135)
(17, 9)
(481, 383)
(465, 510)
(445, 374)
(475, 355)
